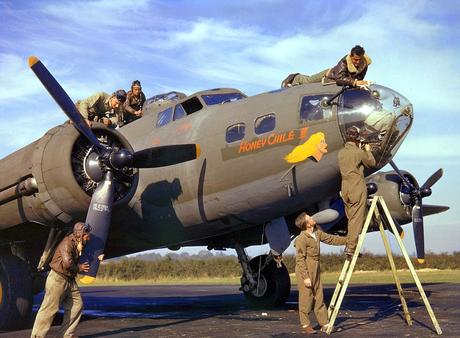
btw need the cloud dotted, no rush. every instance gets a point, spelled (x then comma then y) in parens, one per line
(434, 146)
(16, 80)
(104, 45)
(103, 13)
(27, 127)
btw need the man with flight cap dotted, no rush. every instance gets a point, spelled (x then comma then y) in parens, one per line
(307, 270)
(352, 160)
(135, 99)
(61, 289)
(102, 107)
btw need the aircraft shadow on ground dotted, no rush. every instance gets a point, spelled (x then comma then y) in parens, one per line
(377, 302)
(370, 303)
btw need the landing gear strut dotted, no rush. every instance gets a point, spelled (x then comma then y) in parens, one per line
(15, 292)
(262, 282)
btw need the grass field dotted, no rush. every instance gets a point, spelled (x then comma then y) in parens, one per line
(359, 277)
(385, 277)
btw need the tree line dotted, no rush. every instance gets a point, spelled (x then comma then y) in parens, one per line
(220, 266)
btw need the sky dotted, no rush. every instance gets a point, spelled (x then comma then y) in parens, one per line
(189, 46)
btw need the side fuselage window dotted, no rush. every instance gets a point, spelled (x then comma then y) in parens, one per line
(235, 132)
(164, 117)
(265, 123)
(311, 109)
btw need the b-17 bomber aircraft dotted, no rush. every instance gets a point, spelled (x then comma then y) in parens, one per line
(216, 168)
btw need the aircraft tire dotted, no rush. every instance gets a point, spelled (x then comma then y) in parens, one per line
(15, 293)
(275, 284)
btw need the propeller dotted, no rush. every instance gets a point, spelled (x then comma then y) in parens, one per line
(109, 160)
(415, 197)
(63, 100)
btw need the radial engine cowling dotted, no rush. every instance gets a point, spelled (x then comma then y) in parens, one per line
(65, 169)
(395, 194)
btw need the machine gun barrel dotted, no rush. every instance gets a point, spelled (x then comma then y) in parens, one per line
(26, 187)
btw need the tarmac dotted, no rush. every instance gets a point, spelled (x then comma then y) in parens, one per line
(221, 311)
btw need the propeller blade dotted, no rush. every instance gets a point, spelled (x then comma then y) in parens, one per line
(432, 179)
(405, 180)
(63, 100)
(398, 227)
(165, 155)
(99, 215)
(433, 209)
(387, 225)
(417, 221)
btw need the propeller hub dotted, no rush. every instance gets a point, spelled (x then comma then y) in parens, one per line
(120, 158)
(425, 192)
(93, 167)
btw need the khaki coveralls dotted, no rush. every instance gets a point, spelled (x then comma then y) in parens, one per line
(308, 266)
(300, 79)
(97, 106)
(352, 160)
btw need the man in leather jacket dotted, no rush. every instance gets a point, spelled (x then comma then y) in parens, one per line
(61, 287)
(135, 99)
(351, 69)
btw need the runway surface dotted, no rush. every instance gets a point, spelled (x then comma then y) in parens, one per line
(221, 311)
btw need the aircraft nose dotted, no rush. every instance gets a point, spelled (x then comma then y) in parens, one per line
(382, 115)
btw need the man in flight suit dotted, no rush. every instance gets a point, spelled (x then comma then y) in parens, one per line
(307, 271)
(102, 107)
(352, 160)
(61, 287)
(135, 99)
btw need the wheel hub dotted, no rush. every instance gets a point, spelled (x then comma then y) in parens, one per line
(261, 288)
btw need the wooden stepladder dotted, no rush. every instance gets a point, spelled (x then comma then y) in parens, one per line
(379, 210)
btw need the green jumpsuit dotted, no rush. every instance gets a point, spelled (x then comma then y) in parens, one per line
(97, 106)
(352, 160)
(308, 266)
(300, 79)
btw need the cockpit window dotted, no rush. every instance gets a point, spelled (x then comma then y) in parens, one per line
(164, 117)
(179, 112)
(382, 115)
(212, 99)
(312, 110)
(235, 132)
(192, 105)
(264, 124)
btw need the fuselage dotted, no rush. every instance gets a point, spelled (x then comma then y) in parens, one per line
(262, 157)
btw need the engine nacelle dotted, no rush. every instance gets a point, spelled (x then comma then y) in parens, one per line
(395, 193)
(60, 163)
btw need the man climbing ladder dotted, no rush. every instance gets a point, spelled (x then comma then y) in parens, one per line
(380, 211)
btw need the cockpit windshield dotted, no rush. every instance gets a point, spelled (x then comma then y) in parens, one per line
(212, 99)
(382, 115)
